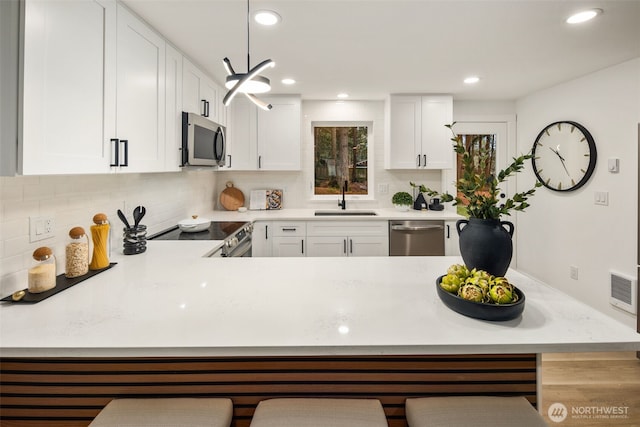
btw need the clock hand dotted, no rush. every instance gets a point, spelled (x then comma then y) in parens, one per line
(562, 161)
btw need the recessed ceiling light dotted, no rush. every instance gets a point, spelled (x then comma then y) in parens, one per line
(471, 80)
(343, 95)
(288, 81)
(266, 17)
(584, 16)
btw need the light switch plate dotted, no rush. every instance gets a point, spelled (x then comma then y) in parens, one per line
(613, 165)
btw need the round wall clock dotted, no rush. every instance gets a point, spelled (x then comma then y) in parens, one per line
(564, 156)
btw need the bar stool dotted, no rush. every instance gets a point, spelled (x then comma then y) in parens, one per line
(477, 411)
(174, 412)
(312, 412)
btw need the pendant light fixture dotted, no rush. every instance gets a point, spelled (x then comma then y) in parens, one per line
(251, 82)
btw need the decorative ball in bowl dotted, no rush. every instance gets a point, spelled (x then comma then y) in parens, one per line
(479, 295)
(402, 200)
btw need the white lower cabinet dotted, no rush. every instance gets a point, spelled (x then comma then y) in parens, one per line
(278, 238)
(451, 243)
(347, 238)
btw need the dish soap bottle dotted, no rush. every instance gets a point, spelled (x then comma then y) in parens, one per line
(100, 237)
(42, 276)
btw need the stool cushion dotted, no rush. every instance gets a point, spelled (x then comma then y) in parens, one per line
(477, 411)
(166, 412)
(301, 412)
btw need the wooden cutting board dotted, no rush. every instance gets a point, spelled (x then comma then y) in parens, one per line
(231, 198)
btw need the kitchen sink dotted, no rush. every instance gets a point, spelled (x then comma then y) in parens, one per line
(345, 213)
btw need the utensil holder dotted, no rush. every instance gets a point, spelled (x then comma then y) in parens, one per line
(135, 240)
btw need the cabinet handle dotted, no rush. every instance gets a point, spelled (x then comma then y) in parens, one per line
(289, 229)
(448, 231)
(126, 153)
(259, 162)
(418, 160)
(205, 108)
(350, 246)
(116, 147)
(302, 245)
(344, 246)
(229, 155)
(266, 232)
(425, 159)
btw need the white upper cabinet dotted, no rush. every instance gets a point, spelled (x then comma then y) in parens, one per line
(264, 140)
(417, 137)
(201, 95)
(140, 108)
(93, 98)
(279, 134)
(68, 98)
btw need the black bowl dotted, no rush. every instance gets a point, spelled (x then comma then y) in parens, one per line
(481, 310)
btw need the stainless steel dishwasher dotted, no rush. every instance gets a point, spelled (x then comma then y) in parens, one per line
(413, 238)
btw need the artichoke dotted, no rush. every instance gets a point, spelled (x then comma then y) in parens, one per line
(501, 291)
(451, 283)
(458, 270)
(471, 292)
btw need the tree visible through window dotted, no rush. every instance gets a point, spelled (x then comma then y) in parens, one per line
(340, 154)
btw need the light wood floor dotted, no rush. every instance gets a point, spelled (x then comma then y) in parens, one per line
(585, 382)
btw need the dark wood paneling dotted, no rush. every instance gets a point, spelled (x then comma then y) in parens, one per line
(71, 392)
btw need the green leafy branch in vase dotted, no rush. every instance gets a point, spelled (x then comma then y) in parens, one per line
(478, 190)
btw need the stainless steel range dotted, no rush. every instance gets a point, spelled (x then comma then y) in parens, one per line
(236, 237)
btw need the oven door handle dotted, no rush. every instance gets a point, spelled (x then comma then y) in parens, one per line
(240, 251)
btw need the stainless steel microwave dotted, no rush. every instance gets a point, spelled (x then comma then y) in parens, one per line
(203, 141)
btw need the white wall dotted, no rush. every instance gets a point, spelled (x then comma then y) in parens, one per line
(564, 229)
(297, 185)
(73, 200)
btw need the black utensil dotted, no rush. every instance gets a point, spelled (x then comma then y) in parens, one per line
(123, 219)
(138, 214)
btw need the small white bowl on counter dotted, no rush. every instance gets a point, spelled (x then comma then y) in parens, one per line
(194, 224)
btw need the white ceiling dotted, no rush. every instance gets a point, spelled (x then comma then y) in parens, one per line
(370, 48)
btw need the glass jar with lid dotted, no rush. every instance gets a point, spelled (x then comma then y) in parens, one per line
(100, 233)
(77, 253)
(42, 274)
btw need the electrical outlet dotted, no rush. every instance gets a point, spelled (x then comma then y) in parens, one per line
(41, 227)
(601, 198)
(383, 188)
(573, 272)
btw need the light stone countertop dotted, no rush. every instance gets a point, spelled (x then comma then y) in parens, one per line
(170, 301)
(384, 214)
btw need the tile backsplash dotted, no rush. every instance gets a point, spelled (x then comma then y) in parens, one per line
(72, 200)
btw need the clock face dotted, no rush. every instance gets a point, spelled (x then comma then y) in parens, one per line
(564, 156)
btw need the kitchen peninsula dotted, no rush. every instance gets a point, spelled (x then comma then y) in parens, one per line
(172, 322)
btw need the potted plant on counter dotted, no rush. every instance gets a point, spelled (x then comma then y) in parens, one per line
(485, 243)
(402, 200)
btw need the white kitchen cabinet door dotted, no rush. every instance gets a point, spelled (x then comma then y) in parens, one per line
(69, 87)
(279, 134)
(405, 126)
(325, 246)
(288, 246)
(173, 109)
(418, 138)
(451, 242)
(140, 108)
(200, 93)
(261, 239)
(242, 153)
(437, 147)
(368, 246)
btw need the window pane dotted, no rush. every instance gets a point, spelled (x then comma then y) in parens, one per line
(341, 155)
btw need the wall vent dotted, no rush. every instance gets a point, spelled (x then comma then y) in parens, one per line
(624, 292)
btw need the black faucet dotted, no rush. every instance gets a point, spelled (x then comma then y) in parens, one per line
(343, 203)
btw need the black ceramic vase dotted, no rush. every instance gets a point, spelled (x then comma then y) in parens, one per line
(485, 244)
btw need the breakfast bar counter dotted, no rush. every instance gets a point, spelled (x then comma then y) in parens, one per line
(171, 322)
(171, 301)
